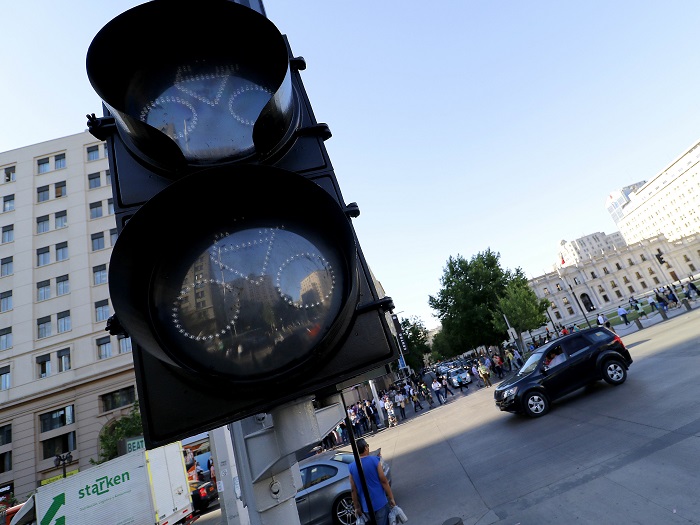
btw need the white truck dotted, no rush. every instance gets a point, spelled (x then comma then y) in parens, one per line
(144, 487)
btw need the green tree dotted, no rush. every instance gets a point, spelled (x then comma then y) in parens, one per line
(125, 427)
(471, 290)
(417, 340)
(522, 307)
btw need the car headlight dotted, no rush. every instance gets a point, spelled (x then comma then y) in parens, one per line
(510, 391)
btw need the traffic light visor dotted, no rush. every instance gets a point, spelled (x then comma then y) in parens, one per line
(190, 86)
(249, 275)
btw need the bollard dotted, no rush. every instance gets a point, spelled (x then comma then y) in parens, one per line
(663, 313)
(638, 323)
(454, 521)
(686, 304)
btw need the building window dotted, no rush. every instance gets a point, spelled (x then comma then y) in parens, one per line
(625, 279)
(58, 445)
(557, 315)
(62, 285)
(42, 165)
(110, 206)
(124, 344)
(650, 270)
(546, 291)
(60, 188)
(63, 360)
(617, 265)
(94, 181)
(42, 224)
(558, 287)
(64, 324)
(6, 266)
(5, 378)
(5, 435)
(96, 210)
(43, 325)
(605, 270)
(6, 301)
(61, 219)
(6, 338)
(631, 289)
(43, 363)
(42, 194)
(102, 310)
(57, 419)
(113, 236)
(93, 153)
(656, 280)
(642, 257)
(8, 203)
(613, 284)
(643, 285)
(10, 174)
(99, 274)
(630, 262)
(43, 257)
(43, 290)
(98, 241)
(119, 398)
(691, 267)
(6, 461)
(60, 161)
(593, 275)
(8, 233)
(62, 251)
(570, 310)
(104, 347)
(618, 293)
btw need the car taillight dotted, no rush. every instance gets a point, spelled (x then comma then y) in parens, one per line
(617, 339)
(203, 492)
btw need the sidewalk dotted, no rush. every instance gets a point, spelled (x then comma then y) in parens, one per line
(654, 318)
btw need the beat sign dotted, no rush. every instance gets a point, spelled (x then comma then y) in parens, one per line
(208, 110)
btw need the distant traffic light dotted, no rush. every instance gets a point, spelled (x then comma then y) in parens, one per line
(237, 271)
(660, 257)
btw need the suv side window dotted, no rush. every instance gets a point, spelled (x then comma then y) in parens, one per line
(575, 345)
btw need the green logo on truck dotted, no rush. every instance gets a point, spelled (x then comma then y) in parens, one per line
(102, 485)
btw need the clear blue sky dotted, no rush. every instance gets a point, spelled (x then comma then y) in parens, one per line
(457, 126)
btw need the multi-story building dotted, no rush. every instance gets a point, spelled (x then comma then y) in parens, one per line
(667, 205)
(587, 247)
(63, 379)
(610, 278)
(616, 201)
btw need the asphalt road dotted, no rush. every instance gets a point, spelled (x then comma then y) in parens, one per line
(603, 455)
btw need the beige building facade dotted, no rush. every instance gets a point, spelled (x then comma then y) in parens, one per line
(63, 378)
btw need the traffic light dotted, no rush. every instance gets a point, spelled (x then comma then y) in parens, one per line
(237, 271)
(660, 257)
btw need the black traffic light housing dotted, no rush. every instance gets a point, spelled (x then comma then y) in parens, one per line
(237, 271)
(660, 257)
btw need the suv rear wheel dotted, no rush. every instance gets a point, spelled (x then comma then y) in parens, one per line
(536, 404)
(614, 372)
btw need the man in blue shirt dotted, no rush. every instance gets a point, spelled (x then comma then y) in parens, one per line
(378, 485)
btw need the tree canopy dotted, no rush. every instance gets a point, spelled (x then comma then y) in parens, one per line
(125, 427)
(474, 296)
(417, 340)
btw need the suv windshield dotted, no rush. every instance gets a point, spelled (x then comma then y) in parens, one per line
(532, 362)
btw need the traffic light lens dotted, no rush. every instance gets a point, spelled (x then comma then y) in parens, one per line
(248, 273)
(253, 302)
(207, 109)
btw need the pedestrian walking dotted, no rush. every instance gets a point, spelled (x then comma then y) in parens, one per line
(485, 374)
(623, 314)
(437, 388)
(377, 484)
(446, 387)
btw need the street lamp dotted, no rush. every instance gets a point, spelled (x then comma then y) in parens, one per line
(63, 460)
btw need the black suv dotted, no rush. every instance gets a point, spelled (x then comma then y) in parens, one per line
(562, 366)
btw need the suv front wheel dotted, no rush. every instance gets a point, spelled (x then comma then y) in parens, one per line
(535, 404)
(614, 372)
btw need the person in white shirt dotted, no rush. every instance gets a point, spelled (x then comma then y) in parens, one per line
(555, 357)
